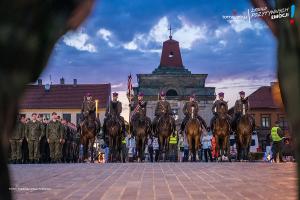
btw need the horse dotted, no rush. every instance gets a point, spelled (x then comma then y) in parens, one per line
(165, 127)
(221, 131)
(193, 131)
(244, 135)
(88, 136)
(141, 131)
(114, 131)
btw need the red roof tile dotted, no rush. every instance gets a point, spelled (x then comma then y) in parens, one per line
(262, 98)
(63, 96)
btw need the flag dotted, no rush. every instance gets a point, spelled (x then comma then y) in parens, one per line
(129, 86)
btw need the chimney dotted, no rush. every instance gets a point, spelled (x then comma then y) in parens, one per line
(40, 82)
(62, 81)
(74, 82)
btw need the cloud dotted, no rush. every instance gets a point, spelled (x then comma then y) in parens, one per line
(242, 25)
(231, 86)
(80, 41)
(188, 34)
(106, 35)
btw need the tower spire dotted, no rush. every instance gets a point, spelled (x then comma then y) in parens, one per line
(170, 29)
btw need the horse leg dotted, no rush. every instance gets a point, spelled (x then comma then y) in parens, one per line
(190, 142)
(217, 147)
(227, 143)
(160, 141)
(197, 145)
(110, 154)
(248, 146)
(92, 141)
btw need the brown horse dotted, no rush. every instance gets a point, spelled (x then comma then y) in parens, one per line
(114, 130)
(165, 127)
(88, 136)
(141, 130)
(244, 135)
(193, 132)
(221, 132)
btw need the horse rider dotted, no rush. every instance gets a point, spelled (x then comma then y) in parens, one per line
(216, 110)
(187, 111)
(89, 107)
(139, 109)
(162, 107)
(241, 106)
(114, 109)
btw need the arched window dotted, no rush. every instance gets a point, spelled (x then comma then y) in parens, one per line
(171, 93)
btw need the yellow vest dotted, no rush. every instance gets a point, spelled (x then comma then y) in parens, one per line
(274, 134)
(173, 140)
(123, 141)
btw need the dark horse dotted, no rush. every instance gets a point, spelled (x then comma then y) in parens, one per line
(88, 136)
(141, 130)
(165, 127)
(114, 131)
(221, 132)
(193, 131)
(244, 135)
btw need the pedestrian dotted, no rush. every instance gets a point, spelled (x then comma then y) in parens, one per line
(185, 149)
(206, 145)
(150, 148)
(180, 147)
(268, 153)
(55, 135)
(124, 150)
(131, 145)
(155, 145)
(34, 132)
(173, 147)
(16, 140)
(277, 138)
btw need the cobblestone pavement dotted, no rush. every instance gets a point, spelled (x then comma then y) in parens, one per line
(155, 181)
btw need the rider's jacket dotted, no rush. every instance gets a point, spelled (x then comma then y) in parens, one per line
(163, 107)
(115, 108)
(138, 108)
(217, 105)
(187, 109)
(87, 107)
(239, 104)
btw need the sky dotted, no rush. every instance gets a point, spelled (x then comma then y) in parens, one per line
(122, 37)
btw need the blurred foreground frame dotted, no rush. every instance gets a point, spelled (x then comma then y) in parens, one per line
(29, 30)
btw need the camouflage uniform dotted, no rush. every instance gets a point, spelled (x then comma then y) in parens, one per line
(216, 109)
(34, 133)
(55, 132)
(115, 109)
(89, 107)
(238, 111)
(16, 141)
(162, 107)
(187, 111)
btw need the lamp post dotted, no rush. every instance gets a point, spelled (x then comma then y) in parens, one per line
(97, 103)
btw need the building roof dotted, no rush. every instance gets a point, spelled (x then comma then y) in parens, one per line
(262, 98)
(63, 96)
(171, 56)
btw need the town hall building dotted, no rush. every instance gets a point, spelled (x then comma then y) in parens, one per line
(174, 79)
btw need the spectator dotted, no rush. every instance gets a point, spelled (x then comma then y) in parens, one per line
(277, 138)
(130, 142)
(173, 147)
(150, 148)
(206, 145)
(186, 149)
(180, 147)
(155, 145)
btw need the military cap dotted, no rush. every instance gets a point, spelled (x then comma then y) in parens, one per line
(221, 94)
(162, 94)
(141, 94)
(242, 93)
(115, 94)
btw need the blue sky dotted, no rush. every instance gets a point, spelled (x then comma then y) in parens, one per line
(122, 37)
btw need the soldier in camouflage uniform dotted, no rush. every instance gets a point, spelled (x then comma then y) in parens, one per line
(34, 132)
(89, 108)
(54, 134)
(216, 109)
(16, 140)
(238, 110)
(115, 109)
(187, 111)
(162, 107)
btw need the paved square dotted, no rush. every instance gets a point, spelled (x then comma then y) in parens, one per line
(155, 181)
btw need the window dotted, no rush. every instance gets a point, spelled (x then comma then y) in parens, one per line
(67, 117)
(283, 123)
(265, 121)
(171, 55)
(171, 93)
